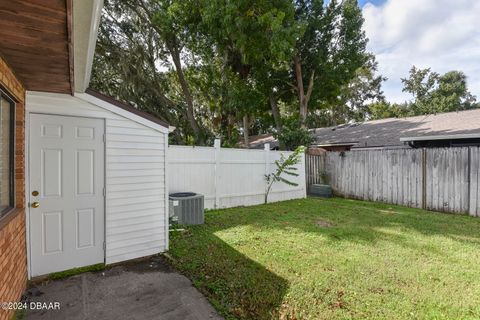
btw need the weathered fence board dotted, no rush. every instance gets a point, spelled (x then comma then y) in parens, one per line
(448, 188)
(315, 167)
(392, 176)
(440, 179)
(474, 186)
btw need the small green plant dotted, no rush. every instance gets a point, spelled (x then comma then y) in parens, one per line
(284, 166)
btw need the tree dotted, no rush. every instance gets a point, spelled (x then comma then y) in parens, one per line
(124, 65)
(273, 83)
(433, 93)
(284, 166)
(132, 50)
(364, 89)
(223, 67)
(165, 17)
(293, 135)
(330, 50)
(354, 98)
(250, 35)
(383, 109)
(452, 93)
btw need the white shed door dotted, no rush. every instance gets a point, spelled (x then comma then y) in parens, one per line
(66, 169)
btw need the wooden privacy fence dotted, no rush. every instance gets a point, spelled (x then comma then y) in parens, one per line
(315, 169)
(440, 179)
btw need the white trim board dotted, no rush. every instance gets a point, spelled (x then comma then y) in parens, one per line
(112, 108)
(86, 20)
(79, 99)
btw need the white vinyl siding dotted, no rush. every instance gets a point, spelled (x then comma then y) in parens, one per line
(136, 221)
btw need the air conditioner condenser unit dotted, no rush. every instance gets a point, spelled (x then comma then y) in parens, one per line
(186, 208)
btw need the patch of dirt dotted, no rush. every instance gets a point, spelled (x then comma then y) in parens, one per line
(324, 223)
(377, 290)
(340, 302)
(143, 265)
(287, 312)
(389, 211)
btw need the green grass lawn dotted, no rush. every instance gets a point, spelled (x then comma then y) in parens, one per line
(334, 259)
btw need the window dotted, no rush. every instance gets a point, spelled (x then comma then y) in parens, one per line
(7, 126)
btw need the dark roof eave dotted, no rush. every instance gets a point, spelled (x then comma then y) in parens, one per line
(334, 144)
(127, 107)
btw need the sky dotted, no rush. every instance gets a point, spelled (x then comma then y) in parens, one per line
(441, 34)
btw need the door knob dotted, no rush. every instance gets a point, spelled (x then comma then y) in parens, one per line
(35, 204)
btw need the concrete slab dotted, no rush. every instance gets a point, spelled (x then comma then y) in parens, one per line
(148, 289)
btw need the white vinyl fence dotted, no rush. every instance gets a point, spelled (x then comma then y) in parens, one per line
(230, 177)
(439, 179)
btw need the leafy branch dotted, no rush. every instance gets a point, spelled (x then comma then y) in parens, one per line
(287, 166)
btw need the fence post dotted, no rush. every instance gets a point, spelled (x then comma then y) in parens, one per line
(424, 178)
(266, 147)
(469, 180)
(307, 171)
(217, 146)
(304, 164)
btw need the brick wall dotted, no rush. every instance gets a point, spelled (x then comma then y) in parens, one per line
(13, 261)
(13, 255)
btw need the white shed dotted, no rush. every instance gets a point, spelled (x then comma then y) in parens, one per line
(96, 181)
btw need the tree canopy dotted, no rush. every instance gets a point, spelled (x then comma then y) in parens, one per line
(233, 68)
(432, 93)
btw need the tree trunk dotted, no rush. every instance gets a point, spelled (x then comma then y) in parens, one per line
(277, 118)
(246, 126)
(267, 192)
(231, 121)
(300, 91)
(186, 92)
(302, 97)
(275, 111)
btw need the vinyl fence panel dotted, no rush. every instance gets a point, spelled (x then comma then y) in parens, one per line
(230, 177)
(192, 169)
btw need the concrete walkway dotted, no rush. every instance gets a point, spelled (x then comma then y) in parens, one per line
(142, 290)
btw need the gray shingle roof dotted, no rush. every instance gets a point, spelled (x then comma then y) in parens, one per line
(387, 132)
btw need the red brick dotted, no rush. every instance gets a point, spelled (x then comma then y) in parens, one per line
(13, 257)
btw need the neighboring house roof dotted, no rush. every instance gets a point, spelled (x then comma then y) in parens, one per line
(258, 141)
(394, 131)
